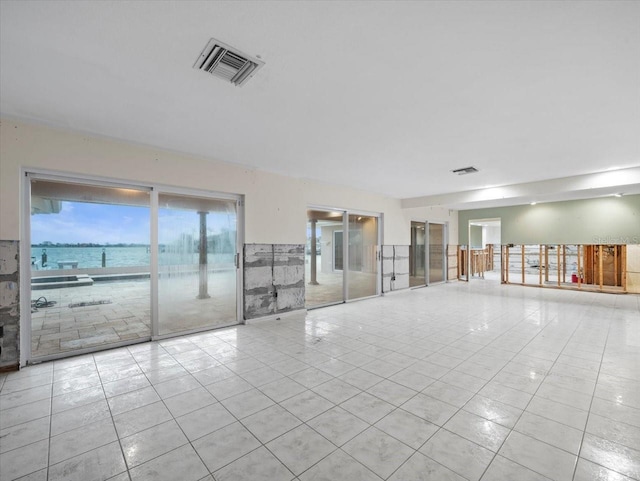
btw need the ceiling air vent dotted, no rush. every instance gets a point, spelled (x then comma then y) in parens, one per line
(227, 63)
(465, 170)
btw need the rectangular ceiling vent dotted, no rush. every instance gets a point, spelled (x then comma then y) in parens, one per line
(465, 170)
(227, 63)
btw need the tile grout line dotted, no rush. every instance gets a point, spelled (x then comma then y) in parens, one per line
(50, 421)
(595, 387)
(124, 459)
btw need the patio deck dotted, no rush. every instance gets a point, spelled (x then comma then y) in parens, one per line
(124, 315)
(111, 312)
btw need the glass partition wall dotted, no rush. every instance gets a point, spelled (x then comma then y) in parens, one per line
(341, 267)
(114, 264)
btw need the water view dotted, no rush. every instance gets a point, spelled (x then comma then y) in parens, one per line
(136, 256)
(89, 257)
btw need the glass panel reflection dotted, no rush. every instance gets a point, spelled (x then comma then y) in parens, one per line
(363, 263)
(324, 258)
(436, 253)
(197, 263)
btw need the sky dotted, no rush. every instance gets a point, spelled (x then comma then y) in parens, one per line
(82, 222)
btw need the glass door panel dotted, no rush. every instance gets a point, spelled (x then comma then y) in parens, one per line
(417, 275)
(197, 247)
(437, 269)
(90, 251)
(324, 258)
(362, 256)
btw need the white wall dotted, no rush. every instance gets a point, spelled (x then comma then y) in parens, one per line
(491, 235)
(275, 205)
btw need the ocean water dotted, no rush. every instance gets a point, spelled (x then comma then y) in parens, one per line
(91, 257)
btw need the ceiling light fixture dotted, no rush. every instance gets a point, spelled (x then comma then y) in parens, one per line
(533, 203)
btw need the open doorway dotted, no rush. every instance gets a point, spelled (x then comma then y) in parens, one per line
(483, 259)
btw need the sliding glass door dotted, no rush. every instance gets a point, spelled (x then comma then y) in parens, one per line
(100, 279)
(427, 255)
(197, 263)
(341, 267)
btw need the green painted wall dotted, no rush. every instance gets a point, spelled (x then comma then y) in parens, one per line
(476, 236)
(608, 220)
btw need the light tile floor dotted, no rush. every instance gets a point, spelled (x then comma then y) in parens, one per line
(452, 382)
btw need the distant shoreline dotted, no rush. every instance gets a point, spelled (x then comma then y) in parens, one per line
(44, 246)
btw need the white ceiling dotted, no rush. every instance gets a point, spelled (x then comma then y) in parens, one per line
(384, 96)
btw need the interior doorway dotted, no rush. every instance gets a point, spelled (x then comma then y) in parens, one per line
(483, 253)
